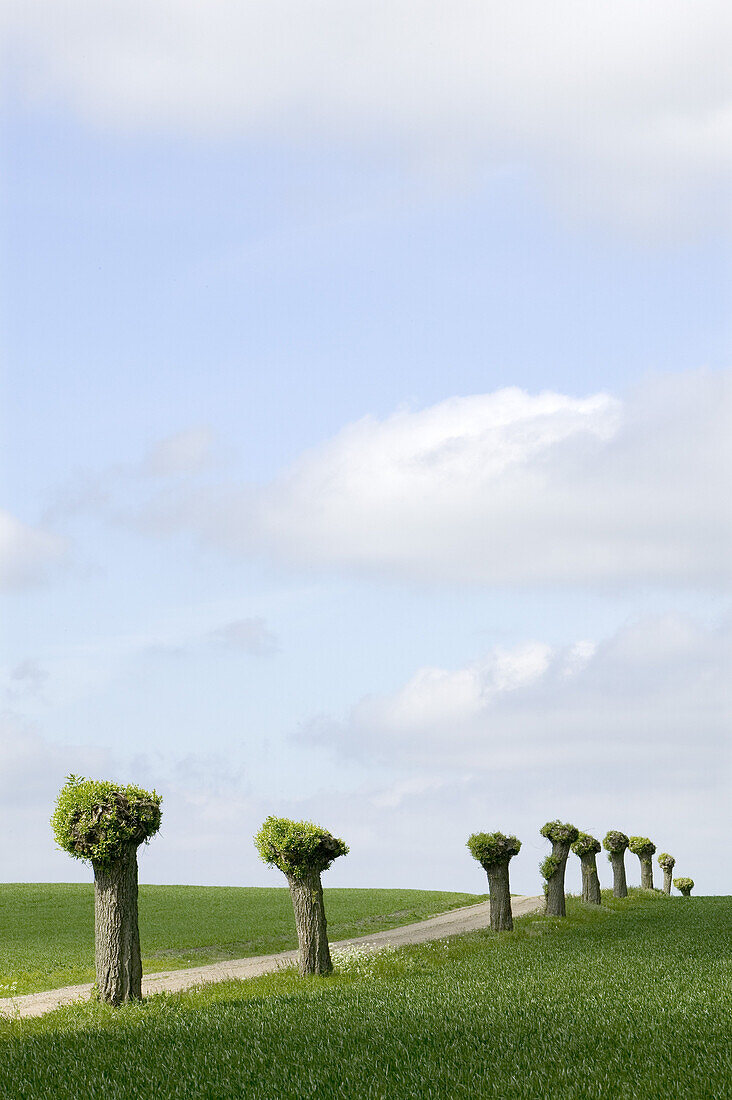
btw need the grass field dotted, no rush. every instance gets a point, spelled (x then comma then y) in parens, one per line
(630, 1001)
(47, 930)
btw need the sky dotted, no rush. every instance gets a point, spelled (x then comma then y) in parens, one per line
(366, 420)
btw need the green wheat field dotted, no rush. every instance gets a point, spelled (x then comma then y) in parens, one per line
(630, 1000)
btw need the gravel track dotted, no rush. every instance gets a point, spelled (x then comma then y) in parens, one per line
(453, 923)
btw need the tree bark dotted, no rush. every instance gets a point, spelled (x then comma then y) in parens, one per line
(590, 880)
(646, 863)
(307, 902)
(500, 894)
(667, 873)
(555, 901)
(620, 886)
(116, 931)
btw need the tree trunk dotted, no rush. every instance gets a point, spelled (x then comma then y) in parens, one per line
(620, 886)
(307, 901)
(555, 903)
(667, 880)
(590, 880)
(686, 891)
(501, 916)
(646, 863)
(116, 931)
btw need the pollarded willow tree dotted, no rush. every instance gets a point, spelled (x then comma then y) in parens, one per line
(644, 848)
(494, 851)
(562, 836)
(587, 847)
(667, 864)
(302, 851)
(105, 824)
(685, 885)
(615, 844)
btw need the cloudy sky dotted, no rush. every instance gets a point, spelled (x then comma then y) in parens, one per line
(367, 428)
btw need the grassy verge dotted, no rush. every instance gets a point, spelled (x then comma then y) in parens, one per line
(630, 1001)
(47, 930)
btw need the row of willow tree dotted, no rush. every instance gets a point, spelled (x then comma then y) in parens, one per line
(494, 852)
(104, 824)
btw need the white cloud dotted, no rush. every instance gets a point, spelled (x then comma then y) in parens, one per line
(28, 555)
(655, 694)
(621, 104)
(436, 699)
(501, 488)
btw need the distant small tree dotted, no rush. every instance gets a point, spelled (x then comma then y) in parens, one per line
(587, 847)
(644, 848)
(302, 851)
(494, 851)
(666, 863)
(562, 836)
(615, 844)
(685, 885)
(105, 824)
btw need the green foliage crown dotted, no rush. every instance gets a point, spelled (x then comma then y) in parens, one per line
(493, 848)
(615, 841)
(586, 845)
(550, 866)
(297, 847)
(641, 846)
(559, 832)
(684, 883)
(95, 819)
(666, 861)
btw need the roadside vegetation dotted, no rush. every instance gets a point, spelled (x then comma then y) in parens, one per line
(47, 930)
(628, 999)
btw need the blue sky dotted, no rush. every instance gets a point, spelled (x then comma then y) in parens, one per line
(366, 429)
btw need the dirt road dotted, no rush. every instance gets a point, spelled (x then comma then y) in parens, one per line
(452, 923)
